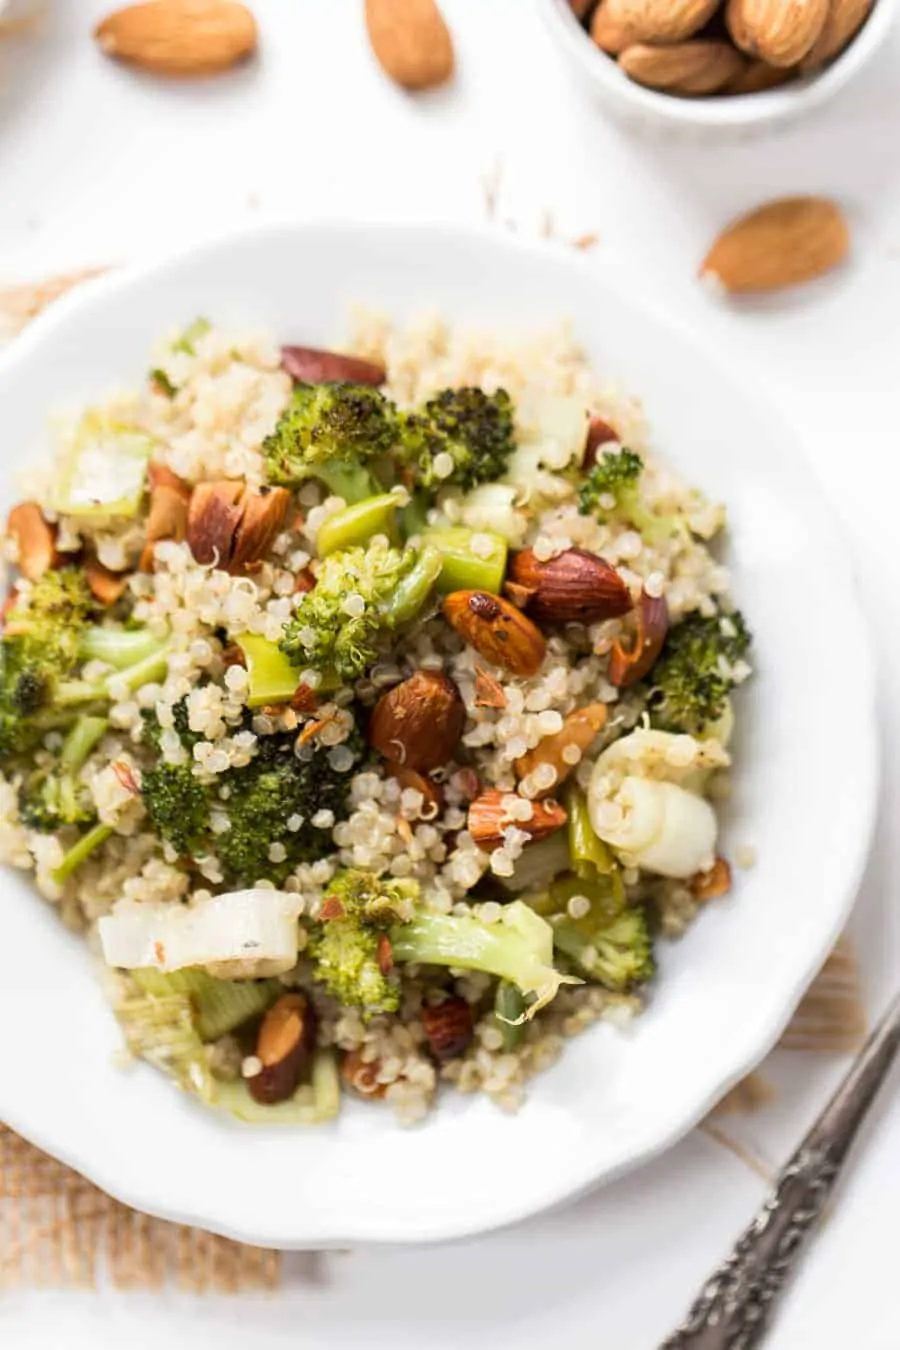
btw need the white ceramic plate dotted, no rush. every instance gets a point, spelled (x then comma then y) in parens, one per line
(805, 787)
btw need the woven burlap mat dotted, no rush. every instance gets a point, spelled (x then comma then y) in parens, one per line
(57, 1229)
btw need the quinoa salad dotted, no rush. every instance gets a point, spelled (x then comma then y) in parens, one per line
(366, 710)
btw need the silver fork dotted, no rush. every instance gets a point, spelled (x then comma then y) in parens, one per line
(734, 1307)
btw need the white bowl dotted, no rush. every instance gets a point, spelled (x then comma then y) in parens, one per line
(737, 116)
(805, 781)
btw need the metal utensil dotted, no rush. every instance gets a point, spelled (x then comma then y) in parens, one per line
(733, 1309)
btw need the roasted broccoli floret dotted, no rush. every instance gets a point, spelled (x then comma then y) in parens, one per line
(332, 432)
(350, 949)
(360, 597)
(178, 806)
(459, 438)
(270, 805)
(613, 488)
(518, 948)
(618, 955)
(700, 664)
(51, 795)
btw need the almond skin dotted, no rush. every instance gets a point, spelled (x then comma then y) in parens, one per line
(712, 885)
(418, 723)
(610, 35)
(758, 76)
(574, 587)
(497, 630)
(448, 1027)
(167, 519)
(687, 68)
(411, 42)
(179, 37)
(600, 433)
(105, 586)
(285, 1041)
(627, 665)
(35, 540)
(312, 365)
(213, 517)
(432, 792)
(779, 32)
(845, 19)
(661, 20)
(784, 243)
(580, 729)
(488, 818)
(263, 514)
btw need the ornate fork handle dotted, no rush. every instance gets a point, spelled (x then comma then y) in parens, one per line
(733, 1308)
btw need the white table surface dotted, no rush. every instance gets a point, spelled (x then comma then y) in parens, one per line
(99, 165)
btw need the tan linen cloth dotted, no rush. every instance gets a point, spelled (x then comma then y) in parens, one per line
(58, 1229)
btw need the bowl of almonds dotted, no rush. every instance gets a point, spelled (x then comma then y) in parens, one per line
(719, 64)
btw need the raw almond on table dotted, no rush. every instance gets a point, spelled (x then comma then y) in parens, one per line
(411, 41)
(180, 37)
(781, 244)
(688, 68)
(780, 32)
(661, 20)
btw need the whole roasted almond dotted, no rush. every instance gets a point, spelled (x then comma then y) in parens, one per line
(312, 365)
(105, 586)
(713, 884)
(448, 1027)
(780, 32)
(758, 76)
(489, 693)
(574, 587)
(411, 41)
(627, 665)
(497, 630)
(784, 243)
(418, 723)
(285, 1042)
(263, 513)
(578, 731)
(489, 816)
(661, 20)
(35, 540)
(180, 37)
(845, 18)
(610, 34)
(687, 68)
(213, 516)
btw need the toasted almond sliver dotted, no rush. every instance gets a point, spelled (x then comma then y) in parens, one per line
(262, 516)
(106, 586)
(35, 540)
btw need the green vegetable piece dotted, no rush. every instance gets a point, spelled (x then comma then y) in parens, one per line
(509, 1011)
(177, 804)
(347, 944)
(104, 474)
(273, 679)
(463, 569)
(80, 741)
(618, 955)
(80, 852)
(356, 524)
(459, 438)
(162, 1031)
(413, 589)
(118, 647)
(691, 681)
(588, 853)
(606, 893)
(613, 488)
(334, 433)
(219, 1006)
(414, 516)
(161, 382)
(191, 336)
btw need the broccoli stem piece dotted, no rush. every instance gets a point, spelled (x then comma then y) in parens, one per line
(411, 591)
(353, 482)
(118, 647)
(356, 524)
(509, 1012)
(80, 741)
(80, 852)
(587, 851)
(273, 679)
(617, 954)
(414, 516)
(153, 667)
(462, 568)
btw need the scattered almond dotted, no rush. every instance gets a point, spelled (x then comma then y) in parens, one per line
(661, 20)
(784, 243)
(488, 818)
(263, 513)
(448, 1027)
(312, 365)
(845, 18)
(780, 32)
(497, 630)
(418, 723)
(610, 34)
(489, 693)
(167, 518)
(580, 729)
(179, 37)
(713, 884)
(687, 68)
(213, 516)
(628, 665)
(285, 1042)
(35, 540)
(411, 42)
(105, 586)
(574, 587)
